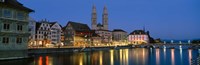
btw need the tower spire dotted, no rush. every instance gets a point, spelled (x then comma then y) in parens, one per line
(94, 17)
(105, 10)
(105, 18)
(94, 9)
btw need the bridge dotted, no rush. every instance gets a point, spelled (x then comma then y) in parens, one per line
(175, 45)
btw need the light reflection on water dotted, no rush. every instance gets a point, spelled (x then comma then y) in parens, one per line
(136, 56)
(172, 57)
(157, 56)
(190, 56)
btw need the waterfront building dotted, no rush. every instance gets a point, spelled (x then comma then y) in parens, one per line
(77, 34)
(106, 36)
(14, 20)
(43, 33)
(101, 29)
(56, 30)
(32, 26)
(138, 37)
(119, 36)
(62, 36)
(95, 38)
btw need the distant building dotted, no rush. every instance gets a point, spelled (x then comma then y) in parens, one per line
(138, 37)
(104, 24)
(77, 34)
(95, 38)
(14, 20)
(43, 33)
(119, 35)
(56, 31)
(106, 35)
(101, 29)
(32, 26)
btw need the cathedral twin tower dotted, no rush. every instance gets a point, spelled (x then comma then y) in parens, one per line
(104, 25)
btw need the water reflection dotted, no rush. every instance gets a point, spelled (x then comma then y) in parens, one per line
(45, 60)
(124, 57)
(81, 60)
(157, 56)
(100, 58)
(181, 54)
(40, 60)
(172, 57)
(190, 56)
(164, 54)
(139, 56)
(111, 58)
(136, 56)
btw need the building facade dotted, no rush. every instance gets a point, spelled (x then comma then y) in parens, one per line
(14, 20)
(106, 36)
(101, 29)
(119, 36)
(56, 30)
(62, 36)
(77, 34)
(43, 33)
(138, 37)
(104, 24)
(32, 26)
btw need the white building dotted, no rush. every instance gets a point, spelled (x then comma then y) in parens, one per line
(119, 36)
(138, 37)
(56, 30)
(43, 33)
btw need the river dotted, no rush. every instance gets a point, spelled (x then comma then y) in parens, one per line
(135, 56)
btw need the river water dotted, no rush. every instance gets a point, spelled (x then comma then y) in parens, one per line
(135, 56)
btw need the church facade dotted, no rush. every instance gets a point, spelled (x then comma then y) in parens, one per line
(101, 29)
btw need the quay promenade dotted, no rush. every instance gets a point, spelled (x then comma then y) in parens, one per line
(68, 49)
(40, 50)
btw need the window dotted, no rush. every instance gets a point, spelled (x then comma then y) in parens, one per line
(2, 0)
(5, 40)
(19, 40)
(6, 26)
(19, 27)
(20, 16)
(7, 13)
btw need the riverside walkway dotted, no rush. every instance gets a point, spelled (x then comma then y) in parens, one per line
(39, 50)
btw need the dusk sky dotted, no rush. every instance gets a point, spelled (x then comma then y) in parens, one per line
(165, 19)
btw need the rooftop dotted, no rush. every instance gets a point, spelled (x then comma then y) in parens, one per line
(138, 32)
(118, 30)
(15, 4)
